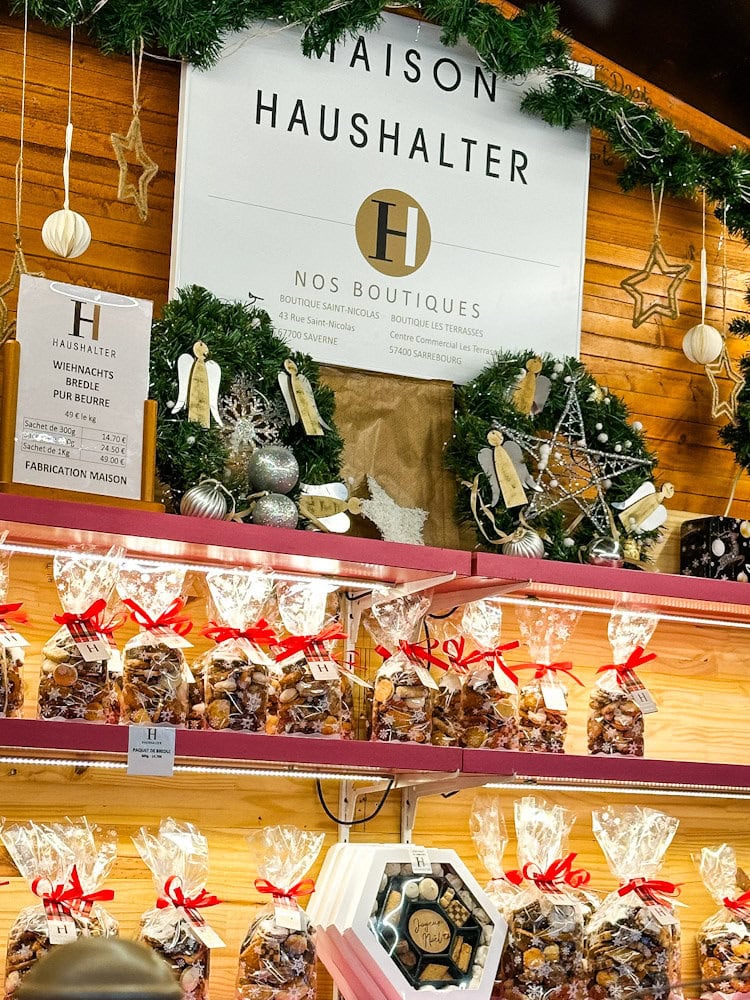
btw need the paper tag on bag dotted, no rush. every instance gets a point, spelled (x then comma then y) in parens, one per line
(425, 677)
(203, 931)
(286, 913)
(9, 638)
(420, 860)
(89, 643)
(323, 670)
(663, 914)
(61, 927)
(502, 680)
(554, 695)
(639, 693)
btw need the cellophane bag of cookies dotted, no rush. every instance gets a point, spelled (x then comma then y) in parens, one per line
(12, 643)
(65, 865)
(633, 938)
(75, 681)
(156, 676)
(176, 929)
(543, 958)
(543, 700)
(405, 691)
(724, 939)
(489, 698)
(307, 679)
(277, 956)
(490, 836)
(619, 700)
(446, 702)
(235, 674)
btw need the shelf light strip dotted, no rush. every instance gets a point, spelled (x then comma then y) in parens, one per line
(615, 787)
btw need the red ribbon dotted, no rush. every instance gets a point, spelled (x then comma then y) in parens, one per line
(304, 888)
(260, 633)
(514, 877)
(71, 898)
(10, 612)
(414, 651)
(301, 643)
(559, 873)
(167, 619)
(86, 617)
(454, 649)
(541, 669)
(739, 905)
(174, 896)
(636, 659)
(650, 890)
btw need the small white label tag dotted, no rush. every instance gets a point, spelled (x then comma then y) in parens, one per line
(8, 638)
(425, 677)
(287, 914)
(61, 927)
(170, 638)
(420, 860)
(323, 670)
(639, 693)
(151, 750)
(663, 914)
(554, 695)
(91, 646)
(203, 931)
(502, 680)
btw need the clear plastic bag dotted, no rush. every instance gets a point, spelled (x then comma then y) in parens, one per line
(155, 672)
(235, 674)
(543, 700)
(11, 652)
(490, 836)
(177, 855)
(65, 865)
(75, 683)
(404, 695)
(278, 962)
(724, 939)
(307, 681)
(489, 699)
(543, 958)
(615, 723)
(633, 939)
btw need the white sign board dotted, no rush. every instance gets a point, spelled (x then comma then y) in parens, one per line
(151, 750)
(389, 202)
(81, 387)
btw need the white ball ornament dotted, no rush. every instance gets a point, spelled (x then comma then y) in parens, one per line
(702, 344)
(718, 547)
(637, 426)
(603, 438)
(745, 529)
(66, 233)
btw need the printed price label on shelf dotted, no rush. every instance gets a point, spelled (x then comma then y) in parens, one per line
(639, 693)
(502, 680)
(286, 913)
(151, 750)
(324, 670)
(420, 860)
(8, 638)
(554, 696)
(203, 931)
(426, 677)
(89, 644)
(170, 638)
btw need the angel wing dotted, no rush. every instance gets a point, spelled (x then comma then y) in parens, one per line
(285, 384)
(185, 364)
(644, 490)
(516, 457)
(541, 394)
(655, 520)
(487, 461)
(213, 374)
(642, 511)
(304, 382)
(338, 523)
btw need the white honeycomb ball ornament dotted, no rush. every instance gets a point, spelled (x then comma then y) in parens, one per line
(66, 233)
(702, 344)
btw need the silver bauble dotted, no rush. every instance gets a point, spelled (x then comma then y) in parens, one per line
(275, 511)
(605, 551)
(273, 468)
(524, 542)
(207, 499)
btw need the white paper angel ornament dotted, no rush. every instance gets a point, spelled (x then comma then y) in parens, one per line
(500, 469)
(198, 386)
(300, 400)
(644, 510)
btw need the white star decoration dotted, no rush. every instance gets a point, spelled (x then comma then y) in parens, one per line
(395, 524)
(577, 469)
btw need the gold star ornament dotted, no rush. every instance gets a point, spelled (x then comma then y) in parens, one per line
(647, 302)
(723, 368)
(126, 189)
(17, 268)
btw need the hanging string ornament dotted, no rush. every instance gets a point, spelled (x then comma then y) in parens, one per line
(18, 264)
(65, 232)
(132, 142)
(723, 367)
(229, 354)
(574, 460)
(703, 344)
(647, 303)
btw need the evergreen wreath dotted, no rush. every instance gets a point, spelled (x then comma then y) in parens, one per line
(737, 434)
(241, 340)
(487, 403)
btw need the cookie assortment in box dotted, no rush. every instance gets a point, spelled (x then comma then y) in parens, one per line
(277, 955)
(176, 929)
(405, 691)
(489, 698)
(543, 700)
(633, 938)
(619, 700)
(65, 865)
(724, 938)
(307, 680)
(235, 674)
(75, 681)
(544, 954)
(156, 676)
(12, 643)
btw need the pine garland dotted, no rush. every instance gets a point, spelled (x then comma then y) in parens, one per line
(241, 340)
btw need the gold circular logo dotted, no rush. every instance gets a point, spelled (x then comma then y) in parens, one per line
(393, 232)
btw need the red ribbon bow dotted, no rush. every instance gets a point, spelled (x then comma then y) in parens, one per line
(560, 872)
(306, 887)
(739, 905)
(70, 898)
(636, 659)
(541, 669)
(10, 612)
(301, 643)
(169, 618)
(87, 617)
(174, 896)
(260, 633)
(454, 649)
(651, 890)
(414, 651)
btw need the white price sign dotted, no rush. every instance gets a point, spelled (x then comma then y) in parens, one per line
(151, 750)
